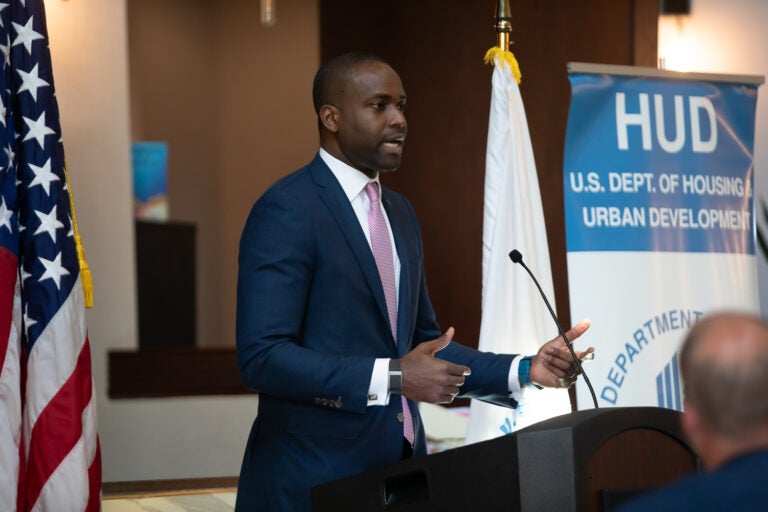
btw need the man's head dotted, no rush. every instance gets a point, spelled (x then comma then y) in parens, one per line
(724, 363)
(360, 101)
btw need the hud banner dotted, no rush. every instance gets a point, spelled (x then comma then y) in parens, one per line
(660, 226)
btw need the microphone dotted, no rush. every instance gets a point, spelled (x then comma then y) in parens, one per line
(517, 257)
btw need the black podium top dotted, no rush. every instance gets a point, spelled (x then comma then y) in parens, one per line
(575, 462)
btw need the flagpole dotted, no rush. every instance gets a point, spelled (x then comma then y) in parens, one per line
(512, 320)
(503, 24)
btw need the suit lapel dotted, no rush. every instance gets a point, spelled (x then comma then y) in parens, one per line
(334, 198)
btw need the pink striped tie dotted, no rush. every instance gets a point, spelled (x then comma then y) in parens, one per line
(382, 253)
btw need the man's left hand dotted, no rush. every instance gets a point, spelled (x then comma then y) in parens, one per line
(553, 365)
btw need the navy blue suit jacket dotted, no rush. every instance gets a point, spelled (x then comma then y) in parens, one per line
(311, 319)
(739, 485)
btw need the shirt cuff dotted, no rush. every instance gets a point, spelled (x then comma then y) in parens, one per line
(515, 390)
(378, 389)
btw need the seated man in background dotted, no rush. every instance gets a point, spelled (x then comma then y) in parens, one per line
(724, 364)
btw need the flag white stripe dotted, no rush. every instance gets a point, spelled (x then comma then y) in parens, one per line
(90, 430)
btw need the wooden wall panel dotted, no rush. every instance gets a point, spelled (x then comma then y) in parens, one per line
(437, 46)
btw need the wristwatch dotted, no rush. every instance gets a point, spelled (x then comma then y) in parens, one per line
(395, 376)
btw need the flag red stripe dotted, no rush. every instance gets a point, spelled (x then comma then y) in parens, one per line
(94, 482)
(9, 271)
(59, 426)
(8, 275)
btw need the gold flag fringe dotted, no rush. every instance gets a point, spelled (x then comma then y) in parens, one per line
(85, 272)
(503, 56)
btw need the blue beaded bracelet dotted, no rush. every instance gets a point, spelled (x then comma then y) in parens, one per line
(524, 371)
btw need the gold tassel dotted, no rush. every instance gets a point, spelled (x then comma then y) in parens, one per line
(503, 56)
(85, 272)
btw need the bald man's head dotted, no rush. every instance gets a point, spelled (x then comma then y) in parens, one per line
(724, 363)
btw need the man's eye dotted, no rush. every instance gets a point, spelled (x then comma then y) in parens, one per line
(401, 106)
(378, 105)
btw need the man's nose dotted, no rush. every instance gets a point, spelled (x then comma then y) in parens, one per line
(397, 118)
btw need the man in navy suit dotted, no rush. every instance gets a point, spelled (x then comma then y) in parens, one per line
(724, 363)
(334, 322)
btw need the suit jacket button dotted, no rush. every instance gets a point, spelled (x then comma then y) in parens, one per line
(400, 417)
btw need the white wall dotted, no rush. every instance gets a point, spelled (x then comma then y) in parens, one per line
(141, 439)
(727, 37)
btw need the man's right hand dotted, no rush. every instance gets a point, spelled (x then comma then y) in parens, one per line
(428, 379)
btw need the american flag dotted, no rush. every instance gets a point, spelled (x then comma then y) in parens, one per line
(49, 451)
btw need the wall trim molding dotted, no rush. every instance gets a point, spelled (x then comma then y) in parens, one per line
(150, 488)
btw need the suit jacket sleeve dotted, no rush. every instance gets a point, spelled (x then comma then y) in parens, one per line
(489, 381)
(277, 263)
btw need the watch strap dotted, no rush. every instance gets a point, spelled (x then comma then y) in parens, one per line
(395, 376)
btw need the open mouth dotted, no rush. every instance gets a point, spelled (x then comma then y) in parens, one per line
(396, 143)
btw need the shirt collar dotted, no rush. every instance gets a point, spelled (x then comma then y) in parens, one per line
(351, 180)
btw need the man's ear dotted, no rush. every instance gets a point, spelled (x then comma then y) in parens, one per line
(690, 422)
(329, 117)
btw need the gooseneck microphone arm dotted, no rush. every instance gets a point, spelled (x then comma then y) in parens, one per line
(517, 257)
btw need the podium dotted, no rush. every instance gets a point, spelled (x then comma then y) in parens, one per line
(586, 461)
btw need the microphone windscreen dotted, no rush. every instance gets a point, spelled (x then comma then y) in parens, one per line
(515, 256)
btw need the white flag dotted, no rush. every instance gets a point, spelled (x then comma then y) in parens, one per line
(514, 318)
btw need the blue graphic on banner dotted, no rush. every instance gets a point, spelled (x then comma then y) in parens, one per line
(668, 386)
(660, 327)
(653, 164)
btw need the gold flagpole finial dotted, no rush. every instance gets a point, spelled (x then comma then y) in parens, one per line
(503, 24)
(500, 53)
